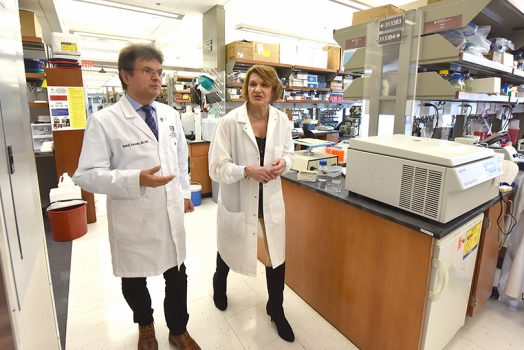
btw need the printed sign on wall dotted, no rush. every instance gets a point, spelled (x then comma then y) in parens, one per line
(67, 107)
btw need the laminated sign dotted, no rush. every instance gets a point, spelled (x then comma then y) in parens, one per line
(472, 240)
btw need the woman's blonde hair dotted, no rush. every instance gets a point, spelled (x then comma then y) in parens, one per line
(268, 75)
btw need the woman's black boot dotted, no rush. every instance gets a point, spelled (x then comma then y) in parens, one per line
(274, 308)
(220, 284)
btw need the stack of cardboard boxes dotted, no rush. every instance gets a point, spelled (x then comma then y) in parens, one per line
(319, 57)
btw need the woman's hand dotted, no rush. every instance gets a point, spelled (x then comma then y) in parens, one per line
(278, 167)
(259, 173)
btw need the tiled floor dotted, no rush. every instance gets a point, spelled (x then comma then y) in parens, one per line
(99, 318)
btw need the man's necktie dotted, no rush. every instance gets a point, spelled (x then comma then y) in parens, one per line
(150, 120)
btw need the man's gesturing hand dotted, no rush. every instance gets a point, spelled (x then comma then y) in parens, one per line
(149, 179)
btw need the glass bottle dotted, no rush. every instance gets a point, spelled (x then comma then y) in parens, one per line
(520, 60)
(457, 81)
(467, 81)
(322, 173)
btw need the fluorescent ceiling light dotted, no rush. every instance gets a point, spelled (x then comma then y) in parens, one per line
(121, 6)
(109, 36)
(354, 4)
(273, 32)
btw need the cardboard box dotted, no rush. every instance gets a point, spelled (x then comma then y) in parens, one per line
(29, 24)
(334, 57)
(375, 13)
(266, 52)
(304, 57)
(486, 85)
(501, 57)
(242, 49)
(288, 53)
(419, 3)
(320, 57)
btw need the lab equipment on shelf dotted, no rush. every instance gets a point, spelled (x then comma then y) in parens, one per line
(437, 179)
(310, 160)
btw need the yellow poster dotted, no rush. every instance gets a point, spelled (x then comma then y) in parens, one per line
(472, 239)
(77, 108)
(67, 107)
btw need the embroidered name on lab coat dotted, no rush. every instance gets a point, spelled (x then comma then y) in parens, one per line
(135, 144)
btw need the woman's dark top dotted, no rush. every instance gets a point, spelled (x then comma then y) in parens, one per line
(261, 142)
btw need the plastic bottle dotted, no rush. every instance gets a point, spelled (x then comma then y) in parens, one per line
(520, 60)
(65, 181)
(198, 124)
(322, 174)
(457, 81)
(444, 73)
(467, 81)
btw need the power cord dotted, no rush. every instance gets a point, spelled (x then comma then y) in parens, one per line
(512, 220)
(436, 110)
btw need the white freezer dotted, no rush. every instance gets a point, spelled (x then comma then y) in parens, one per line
(453, 265)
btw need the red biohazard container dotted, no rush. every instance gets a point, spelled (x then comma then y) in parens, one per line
(68, 222)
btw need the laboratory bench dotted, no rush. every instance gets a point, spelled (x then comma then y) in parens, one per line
(365, 266)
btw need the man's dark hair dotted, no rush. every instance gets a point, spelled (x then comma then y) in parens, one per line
(129, 54)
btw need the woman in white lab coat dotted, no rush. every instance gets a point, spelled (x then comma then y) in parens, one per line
(251, 148)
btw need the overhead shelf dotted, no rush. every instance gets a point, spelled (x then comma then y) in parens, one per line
(505, 20)
(437, 53)
(237, 100)
(241, 64)
(234, 85)
(304, 88)
(182, 77)
(38, 104)
(34, 76)
(430, 87)
(284, 70)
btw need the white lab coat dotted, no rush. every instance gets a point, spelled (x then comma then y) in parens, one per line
(511, 283)
(233, 147)
(146, 225)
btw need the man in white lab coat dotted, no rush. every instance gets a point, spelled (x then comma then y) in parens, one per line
(135, 152)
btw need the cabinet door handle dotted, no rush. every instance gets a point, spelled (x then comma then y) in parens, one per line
(10, 160)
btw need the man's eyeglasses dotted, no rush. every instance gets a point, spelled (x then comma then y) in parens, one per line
(151, 71)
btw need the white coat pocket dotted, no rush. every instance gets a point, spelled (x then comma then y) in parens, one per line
(278, 152)
(128, 218)
(231, 223)
(276, 207)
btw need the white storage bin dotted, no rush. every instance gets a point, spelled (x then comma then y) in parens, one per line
(38, 141)
(41, 129)
(486, 85)
(65, 43)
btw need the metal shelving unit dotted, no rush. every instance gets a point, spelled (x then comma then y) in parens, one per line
(432, 52)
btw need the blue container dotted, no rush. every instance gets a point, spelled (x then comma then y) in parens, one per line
(196, 193)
